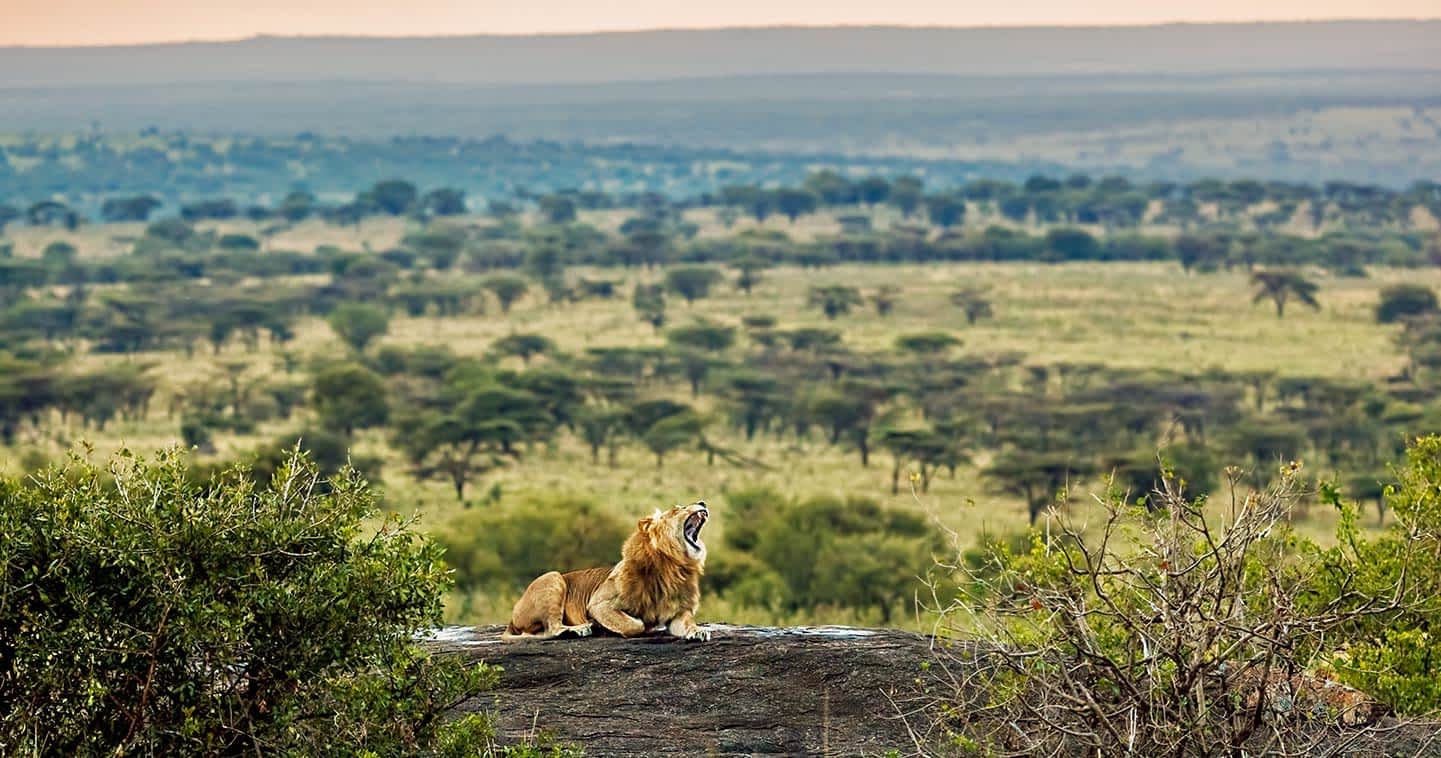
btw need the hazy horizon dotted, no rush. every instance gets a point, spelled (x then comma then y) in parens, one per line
(36, 23)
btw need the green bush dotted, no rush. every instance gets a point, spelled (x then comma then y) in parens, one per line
(1390, 586)
(1168, 630)
(826, 551)
(141, 612)
(1401, 301)
(489, 548)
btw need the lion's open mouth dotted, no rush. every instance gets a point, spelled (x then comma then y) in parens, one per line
(693, 523)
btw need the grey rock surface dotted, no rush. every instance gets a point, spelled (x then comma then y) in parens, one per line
(748, 691)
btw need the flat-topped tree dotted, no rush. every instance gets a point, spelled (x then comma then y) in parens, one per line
(884, 299)
(711, 338)
(1041, 479)
(133, 208)
(394, 197)
(945, 210)
(673, 432)
(601, 427)
(873, 190)
(507, 289)
(756, 202)
(794, 203)
(648, 300)
(557, 209)
(691, 282)
(748, 272)
(907, 194)
(927, 448)
(834, 300)
(457, 447)
(1280, 286)
(359, 324)
(1202, 253)
(754, 400)
(444, 201)
(811, 339)
(523, 346)
(927, 343)
(349, 396)
(52, 213)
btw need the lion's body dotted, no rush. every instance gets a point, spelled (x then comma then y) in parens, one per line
(656, 584)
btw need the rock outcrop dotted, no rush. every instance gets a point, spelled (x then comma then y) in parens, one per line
(807, 691)
(748, 691)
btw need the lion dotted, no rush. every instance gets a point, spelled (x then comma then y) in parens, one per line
(655, 585)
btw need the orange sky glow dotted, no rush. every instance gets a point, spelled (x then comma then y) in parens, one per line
(102, 22)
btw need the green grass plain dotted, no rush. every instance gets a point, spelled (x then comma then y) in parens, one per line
(1146, 316)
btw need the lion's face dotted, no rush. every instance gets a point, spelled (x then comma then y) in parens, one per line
(676, 532)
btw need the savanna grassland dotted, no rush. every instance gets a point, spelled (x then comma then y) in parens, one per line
(1046, 321)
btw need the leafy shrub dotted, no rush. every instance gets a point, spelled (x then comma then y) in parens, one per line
(328, 451)
(824, 551)
(491, 548)
(1173, 631)
(1390, 588)
(1405, 300)
(146, 613)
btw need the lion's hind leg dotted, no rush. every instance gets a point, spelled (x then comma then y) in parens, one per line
(539, 614)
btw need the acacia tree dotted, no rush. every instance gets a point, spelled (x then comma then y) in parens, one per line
(601, 427)
(1038, 478)
(945, 211)
(458, 447)
(711, 338)
(794, 203)
(671, 433)
(392, 196)
(649, 303)
(507, 289)
(558, 209)
(847, 413)
(136, 208)
(748, 274)
(691, 282)
(835, 300)
(906, 195)
(927, 343)
(974, 303)
(884, 299)
(929, 450)
(349, 396)
(359, 324)
(523, 346)
(695, 346)
(754, 398)
(444, 201)
(1281, 286)
(480, 433)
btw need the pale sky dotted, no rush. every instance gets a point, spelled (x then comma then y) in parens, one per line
(98, 22)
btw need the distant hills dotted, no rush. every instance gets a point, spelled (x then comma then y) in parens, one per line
(1357, 100)
(659, 55)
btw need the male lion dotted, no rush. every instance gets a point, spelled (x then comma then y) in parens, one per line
(656, 584)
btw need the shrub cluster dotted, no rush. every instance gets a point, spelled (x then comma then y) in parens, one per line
(143, 612)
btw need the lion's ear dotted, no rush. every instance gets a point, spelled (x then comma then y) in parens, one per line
(643, 524)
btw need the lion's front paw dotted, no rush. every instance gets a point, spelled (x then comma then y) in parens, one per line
(697, 633)
(584, 630)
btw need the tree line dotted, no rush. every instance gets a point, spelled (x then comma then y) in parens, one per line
(1112, 202)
